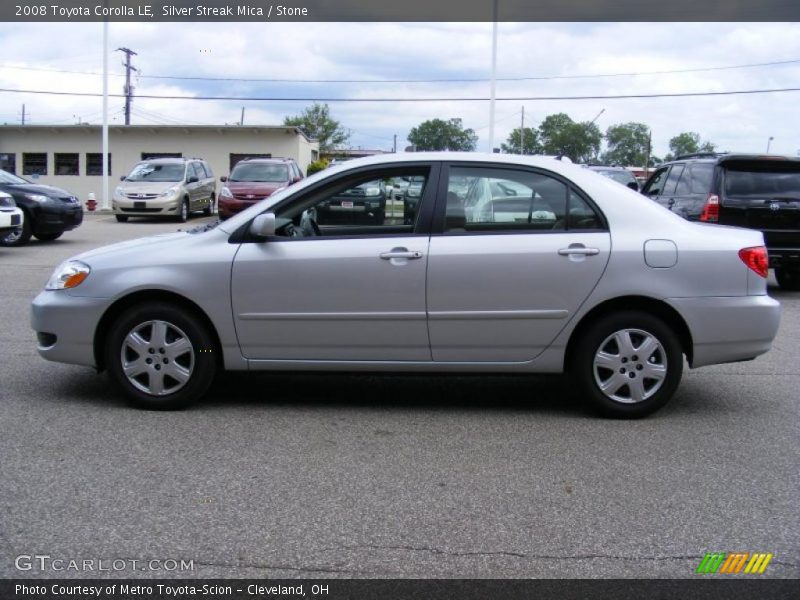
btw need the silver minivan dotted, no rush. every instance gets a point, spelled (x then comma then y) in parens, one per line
(174, 187)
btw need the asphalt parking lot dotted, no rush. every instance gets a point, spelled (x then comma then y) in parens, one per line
(298, 475)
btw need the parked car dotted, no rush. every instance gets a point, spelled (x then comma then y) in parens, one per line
(174, 187)
(253, 179)
(11, 217)
(746, 190)
(616, 290)
(365, 203)
(618, 174)
(48, 211)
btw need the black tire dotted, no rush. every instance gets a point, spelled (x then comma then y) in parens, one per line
(122, 218)
(20, 236)
(615, 368)
(788, 279)
(209, 210)
(184, 212)
(152, 385)
(48, 237)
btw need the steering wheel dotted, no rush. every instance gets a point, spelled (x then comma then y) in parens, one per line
(308, 225)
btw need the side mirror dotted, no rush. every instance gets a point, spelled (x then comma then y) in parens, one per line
(633, 185)
(263, 226)
(223, 179)
(296, 179)
(123, 178)
(192, 179)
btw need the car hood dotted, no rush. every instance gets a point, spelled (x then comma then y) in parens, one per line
(259, 189)
(148, 245)
(33, 188)
(146, 187)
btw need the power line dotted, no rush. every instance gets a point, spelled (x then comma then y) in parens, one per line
(441, 80)
(451, 99)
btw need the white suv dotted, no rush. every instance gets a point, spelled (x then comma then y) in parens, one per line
(11, 217)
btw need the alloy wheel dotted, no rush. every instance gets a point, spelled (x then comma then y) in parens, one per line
(630, 366)
(157, 358)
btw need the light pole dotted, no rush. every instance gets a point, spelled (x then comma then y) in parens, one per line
(769, 142)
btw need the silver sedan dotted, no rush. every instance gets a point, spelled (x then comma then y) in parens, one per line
(506, 264)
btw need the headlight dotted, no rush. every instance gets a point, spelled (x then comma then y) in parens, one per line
(68, 275)
(170, 192)
(118, 191)
(226, 192)
(36, 197)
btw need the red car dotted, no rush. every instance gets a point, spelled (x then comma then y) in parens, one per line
(254, 179)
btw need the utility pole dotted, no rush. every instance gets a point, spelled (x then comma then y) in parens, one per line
(23, 114)
(493, 81)
(128, 89)
(241, 121)
(394, 146)
(522, 132)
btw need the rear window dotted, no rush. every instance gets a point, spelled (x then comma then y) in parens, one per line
(769, 180)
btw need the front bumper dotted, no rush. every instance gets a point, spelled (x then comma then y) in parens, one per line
(65, 326)
(10, 219)
(230, 206)
(152, 207)
(56, 218)
(729, 329)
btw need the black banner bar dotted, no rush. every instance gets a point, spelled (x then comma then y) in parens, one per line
(397, 589)
(397, 11)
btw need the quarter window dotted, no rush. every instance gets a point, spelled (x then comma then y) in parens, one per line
(700, 178)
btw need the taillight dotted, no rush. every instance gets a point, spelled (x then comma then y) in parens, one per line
(710, 212)
(756, 258)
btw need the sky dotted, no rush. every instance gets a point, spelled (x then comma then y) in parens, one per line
(575, 54)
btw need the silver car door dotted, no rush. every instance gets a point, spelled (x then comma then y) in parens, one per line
(508, 273)
(353, 293)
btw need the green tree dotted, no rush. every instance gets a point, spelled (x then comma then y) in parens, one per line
(560, 135)
(317, 123)
(530, 140)
(627, 144)
(687, 142)
(437, 134)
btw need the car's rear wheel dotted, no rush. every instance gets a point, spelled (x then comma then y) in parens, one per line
(122, 218)
(20, 236)
(183, 211)
(161, 356)
(627, 365)
(48, 237)
(788, 279)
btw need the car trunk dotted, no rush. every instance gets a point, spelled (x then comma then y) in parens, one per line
(764, 195)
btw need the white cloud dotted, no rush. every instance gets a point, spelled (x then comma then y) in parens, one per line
(421, 51)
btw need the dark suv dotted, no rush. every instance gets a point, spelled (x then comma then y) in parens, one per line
(49, 211)
(753, 191)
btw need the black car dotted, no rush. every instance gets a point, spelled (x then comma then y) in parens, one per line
(49, 211)
(745, 190)
(365, 203)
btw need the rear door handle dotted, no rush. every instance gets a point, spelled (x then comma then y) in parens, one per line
(579, 250)
(410, 254)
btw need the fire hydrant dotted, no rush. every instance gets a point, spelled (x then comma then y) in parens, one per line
(91, 203)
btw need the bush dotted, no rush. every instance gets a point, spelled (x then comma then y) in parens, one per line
(317, 165)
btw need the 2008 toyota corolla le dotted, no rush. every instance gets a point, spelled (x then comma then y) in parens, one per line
(507, 264)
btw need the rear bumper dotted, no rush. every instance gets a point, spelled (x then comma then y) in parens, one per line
(784, 257)
(729, 329)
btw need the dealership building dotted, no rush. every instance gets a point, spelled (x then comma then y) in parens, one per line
(70, 157)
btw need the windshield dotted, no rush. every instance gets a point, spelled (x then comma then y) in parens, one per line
(619, 176)
(259, 172)
(769, 181)
(157, 172)
(6, 177)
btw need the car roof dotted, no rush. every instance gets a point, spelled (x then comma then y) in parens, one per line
(263, 159)
(723, 157)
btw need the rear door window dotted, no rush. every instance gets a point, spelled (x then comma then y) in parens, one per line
(656, 183)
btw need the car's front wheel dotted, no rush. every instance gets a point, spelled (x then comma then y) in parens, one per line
(48, 237)
(183, 215)
(122, 218)
(20, 236)
(161, 356)
(788, 279)
(627, 365)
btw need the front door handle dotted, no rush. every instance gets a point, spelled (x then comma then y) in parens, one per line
(410, 254)
(579, 250)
